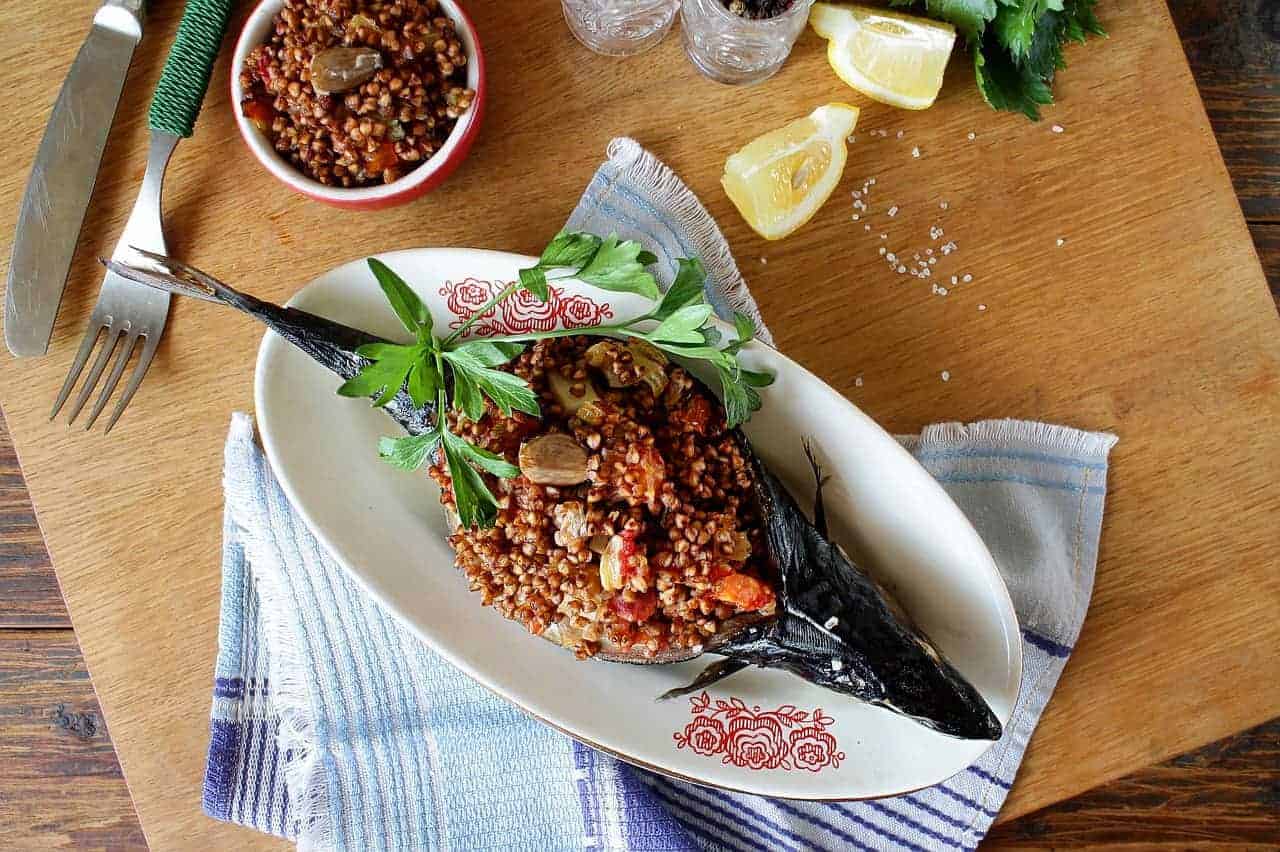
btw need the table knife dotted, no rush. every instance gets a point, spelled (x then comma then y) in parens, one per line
(63, 176)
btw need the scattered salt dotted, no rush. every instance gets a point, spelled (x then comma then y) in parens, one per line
(967, 278)
(915, 152)
(1057, 128)
(932, 261)
(946, 375)
(982, 307)
(935, 233)
(954, 280)
(872, 182)
(764, 260)
(882, 249)
(891, 257)
(884, 236)
(901, 269)
(893, 211)
(856, 217)
(972, 136)
(866, 227)
(899, 134)
(831, 622)
(942, 205)
(857, 382)
(836, 664)
(1060, 241)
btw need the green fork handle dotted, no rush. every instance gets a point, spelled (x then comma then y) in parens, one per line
(185, 77)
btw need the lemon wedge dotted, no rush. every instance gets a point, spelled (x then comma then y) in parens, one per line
(896, 59)
(779, 180)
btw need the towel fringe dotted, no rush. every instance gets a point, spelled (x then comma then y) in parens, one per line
(303, 771)
(1027, 433)
(668, 191)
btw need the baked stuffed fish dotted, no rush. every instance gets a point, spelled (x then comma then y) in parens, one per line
(629, 520)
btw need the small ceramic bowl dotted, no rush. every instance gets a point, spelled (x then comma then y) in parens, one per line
(414, 184)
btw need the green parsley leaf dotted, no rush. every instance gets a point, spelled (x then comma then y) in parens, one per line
(380, 379)
(474, 501)
(509, 392)
(422, 383)
(410, 452)
(403, 300)
(755, 379)
(616, 266)
(970, 17)
(1015, 24)
(466, 396)
(491, 354)
(1044, 59)
(534, 279)
(569, 248)
(387, 352)
(1006, 86)
(685, 290)
(740, 400)
(492, 462)
(1079, 21)
(683, 326)
(647, 258)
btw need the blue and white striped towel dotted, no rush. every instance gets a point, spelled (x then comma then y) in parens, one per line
(334, 726)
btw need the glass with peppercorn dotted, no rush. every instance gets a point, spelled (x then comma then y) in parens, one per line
(620, 27)
(741, 41)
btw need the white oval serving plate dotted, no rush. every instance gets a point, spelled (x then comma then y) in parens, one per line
(763, 732)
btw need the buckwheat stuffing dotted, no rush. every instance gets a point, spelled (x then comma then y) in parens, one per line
(656, 543)
(357, 92)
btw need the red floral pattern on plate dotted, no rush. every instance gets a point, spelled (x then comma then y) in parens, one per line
(522, 312)
(785, 738)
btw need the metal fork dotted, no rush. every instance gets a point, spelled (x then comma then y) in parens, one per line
(125, 312)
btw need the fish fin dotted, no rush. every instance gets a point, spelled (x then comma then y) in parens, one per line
(718, 670)
(819, 508)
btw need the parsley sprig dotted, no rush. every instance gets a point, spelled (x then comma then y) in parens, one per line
(462, 374)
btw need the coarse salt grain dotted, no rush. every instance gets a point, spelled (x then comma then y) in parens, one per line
(935, 233)
(982, 307)
(866, 227)
(872, 182)
(831, 622)
(891, 257)
(884, 236)
(1057, 128)
(1060, 241)
(836, 664)
(857, 382)
(954, 280)
(764, 260)
(932, 261)
(972, 136)
(915, 152)
(942, 205)
(856, 217)
(857, 193)
(899, 134)
(882, 249)
(966, 278)
(901, 269)
(946, 375)
(893, 211)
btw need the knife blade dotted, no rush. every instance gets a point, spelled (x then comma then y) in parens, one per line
(62, 178)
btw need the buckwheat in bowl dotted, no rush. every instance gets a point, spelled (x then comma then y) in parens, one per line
(359, 103)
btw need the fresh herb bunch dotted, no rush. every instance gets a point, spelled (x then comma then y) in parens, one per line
(1017, 44)
(452, 372)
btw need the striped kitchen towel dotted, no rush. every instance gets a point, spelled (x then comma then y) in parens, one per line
(334, 726)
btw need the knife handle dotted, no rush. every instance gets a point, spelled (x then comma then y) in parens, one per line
(188, 66)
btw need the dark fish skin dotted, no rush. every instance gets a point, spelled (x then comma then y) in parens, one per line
(883, 660)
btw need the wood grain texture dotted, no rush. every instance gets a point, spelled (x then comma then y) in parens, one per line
(1225, 796)
(1152, 320)
(1234, 50)
(29, 595)
(60, 785)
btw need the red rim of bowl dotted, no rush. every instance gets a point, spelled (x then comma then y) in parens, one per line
(416, 183)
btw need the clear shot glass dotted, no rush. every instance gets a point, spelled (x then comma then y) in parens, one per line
(620, 27)
(734, 49)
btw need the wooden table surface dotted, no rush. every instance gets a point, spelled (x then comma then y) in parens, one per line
(60, 784)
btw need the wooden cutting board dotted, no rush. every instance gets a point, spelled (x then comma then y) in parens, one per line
(1150, 319)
